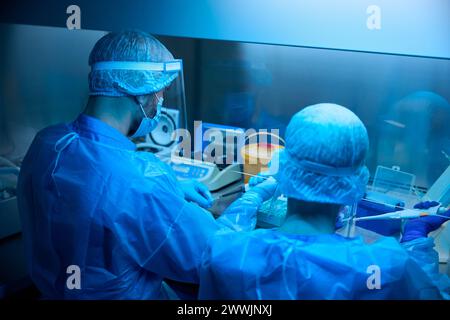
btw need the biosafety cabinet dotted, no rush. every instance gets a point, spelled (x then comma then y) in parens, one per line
(247, 64)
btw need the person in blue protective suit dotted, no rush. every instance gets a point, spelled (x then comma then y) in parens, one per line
(321, 169)
(100, 220)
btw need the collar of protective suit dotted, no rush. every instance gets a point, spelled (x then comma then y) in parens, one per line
(99, 131)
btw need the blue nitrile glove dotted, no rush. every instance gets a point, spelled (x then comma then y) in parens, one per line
(264, 190)
(259, 178)
(421, 227)
(197, 192)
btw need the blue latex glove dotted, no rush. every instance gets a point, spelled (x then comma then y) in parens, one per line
(241, 214)
(197, 192)
(259, 178)
(265, 190)
(421, 227)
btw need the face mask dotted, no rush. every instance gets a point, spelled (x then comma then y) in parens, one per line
(148, 124)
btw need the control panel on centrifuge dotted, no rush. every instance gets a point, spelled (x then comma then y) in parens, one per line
(188, 171)
(212, 175)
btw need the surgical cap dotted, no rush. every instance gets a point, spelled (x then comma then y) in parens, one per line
(326, 146)
(129, 46)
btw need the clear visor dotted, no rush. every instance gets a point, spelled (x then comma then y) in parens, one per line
(173, 116)
(164, 79)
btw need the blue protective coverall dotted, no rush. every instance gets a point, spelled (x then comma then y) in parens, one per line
(268, 264)
(86, 198)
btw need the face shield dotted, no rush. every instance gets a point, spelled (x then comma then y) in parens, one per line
(130, 78)
(173, 115)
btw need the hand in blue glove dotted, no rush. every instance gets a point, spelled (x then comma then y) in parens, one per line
(421, 227)
(259, 178)
(265, 190)
(197, 192)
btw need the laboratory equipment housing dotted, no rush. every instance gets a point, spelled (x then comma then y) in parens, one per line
(403, 101)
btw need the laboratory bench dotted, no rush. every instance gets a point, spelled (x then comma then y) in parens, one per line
(16, 284)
